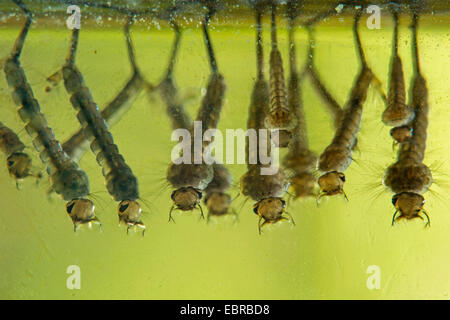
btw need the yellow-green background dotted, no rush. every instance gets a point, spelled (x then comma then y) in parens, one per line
(324, 256)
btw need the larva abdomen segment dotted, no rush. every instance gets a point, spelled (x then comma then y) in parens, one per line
(258, 187)
(174, 109)
(209, 113)
(221, 181)
(346, 135)
(49, 150)
(420, 105)
(190, 175)
(279, 115)
(414, 148)
(300, 139)
(278, 99)
(397, 85)
(259, 105)
(337, 156)
(122, 184)
(408, 176)
(105, 161)
(397, 112)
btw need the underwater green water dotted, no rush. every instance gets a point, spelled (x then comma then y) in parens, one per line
(324, 256)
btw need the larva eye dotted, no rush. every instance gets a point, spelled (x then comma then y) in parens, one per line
(123, 207)
(394, 199)
(255, 210)
(10, 163)
(172, 196)
(342, 177)
(70, 206)
(200, 195)
(283, 203)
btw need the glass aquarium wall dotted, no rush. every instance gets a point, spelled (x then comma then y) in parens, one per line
(354, 201)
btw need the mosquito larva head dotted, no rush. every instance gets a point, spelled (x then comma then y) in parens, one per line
(270, 209)
(19, 165)
(81, 211)
(401, 134)
(186, 198)
(409, 205)
(398, 115)
(303, 185)
(218, 203)
(129, 212)
(331, 183)
(284, 137)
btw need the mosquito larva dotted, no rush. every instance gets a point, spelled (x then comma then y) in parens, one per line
(216, 199)
(265, 190)
(397, 113)
(279, 116)
(67, 179)
(299, 158)
(338, 155)
(79, 142)
(409, 177)
(120, 181)
(190, 179)
(18, 162)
